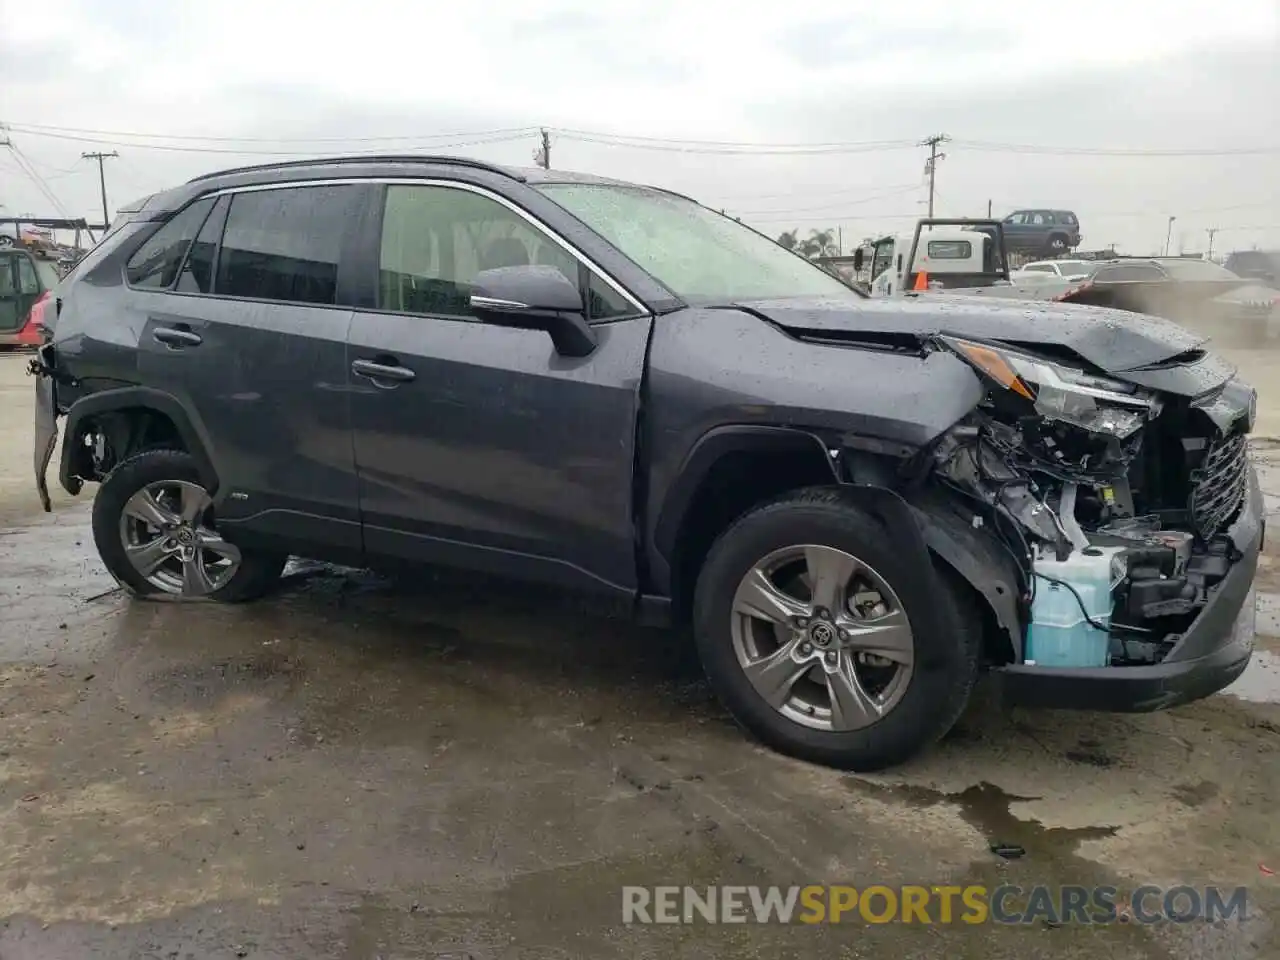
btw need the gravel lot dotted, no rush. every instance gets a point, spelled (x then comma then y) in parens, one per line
(448, 768)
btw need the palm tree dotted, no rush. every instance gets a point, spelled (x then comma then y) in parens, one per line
(788, 239)
(824, 241)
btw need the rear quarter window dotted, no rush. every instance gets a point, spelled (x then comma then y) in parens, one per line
(155, 264)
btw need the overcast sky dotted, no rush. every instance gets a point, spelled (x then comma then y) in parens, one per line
(1094, 78)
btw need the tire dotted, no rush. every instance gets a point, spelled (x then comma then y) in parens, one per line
(256, 573)
(5, 240)
(1057, 245)
(943, 668)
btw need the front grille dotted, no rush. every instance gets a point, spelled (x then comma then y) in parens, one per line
(1218, 486)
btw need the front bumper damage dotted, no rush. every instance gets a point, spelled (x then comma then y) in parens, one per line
(1211, 654)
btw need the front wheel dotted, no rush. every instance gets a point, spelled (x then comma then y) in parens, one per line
(805, 626)
(1057, 246)
(153, 526)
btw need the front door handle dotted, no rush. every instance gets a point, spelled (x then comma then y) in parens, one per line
(386, 372)
(177, 337)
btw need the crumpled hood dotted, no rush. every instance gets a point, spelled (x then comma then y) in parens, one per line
(1112, 340)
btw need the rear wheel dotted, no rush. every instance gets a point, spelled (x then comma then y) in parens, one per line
(153, 526)
(1057, 245)
(804, 623)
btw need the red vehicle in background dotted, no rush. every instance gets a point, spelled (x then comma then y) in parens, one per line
(26, 291)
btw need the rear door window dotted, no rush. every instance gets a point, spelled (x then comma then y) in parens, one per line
(285, 244)
(155, 264)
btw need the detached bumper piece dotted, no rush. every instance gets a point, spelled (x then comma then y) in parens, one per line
(1211, 654)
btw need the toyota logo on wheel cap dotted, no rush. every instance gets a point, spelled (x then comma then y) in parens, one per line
(821, 633)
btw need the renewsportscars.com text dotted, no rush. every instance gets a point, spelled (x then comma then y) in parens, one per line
(1007, 904)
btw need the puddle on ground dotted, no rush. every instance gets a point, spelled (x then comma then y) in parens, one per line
(1268, 617)
(1260, 682)
(986, 807)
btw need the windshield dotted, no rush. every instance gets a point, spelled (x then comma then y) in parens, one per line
(696, 253)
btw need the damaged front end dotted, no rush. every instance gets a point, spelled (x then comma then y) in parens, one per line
(1130, 509)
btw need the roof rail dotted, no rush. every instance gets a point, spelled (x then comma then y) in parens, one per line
(361, 158)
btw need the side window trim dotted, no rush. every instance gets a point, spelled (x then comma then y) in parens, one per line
(218, 218)
(639, 307)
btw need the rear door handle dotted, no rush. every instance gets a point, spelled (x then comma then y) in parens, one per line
(372, 370)
(177, 337)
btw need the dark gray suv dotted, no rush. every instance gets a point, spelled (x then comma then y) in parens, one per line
(1048, 233)
(857, 504)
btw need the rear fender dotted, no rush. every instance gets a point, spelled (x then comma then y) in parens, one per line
(86, 410)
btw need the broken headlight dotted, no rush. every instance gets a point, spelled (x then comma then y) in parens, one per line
(1093, 403)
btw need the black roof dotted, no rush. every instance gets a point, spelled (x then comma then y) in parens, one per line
(522, 174)
(359, 159)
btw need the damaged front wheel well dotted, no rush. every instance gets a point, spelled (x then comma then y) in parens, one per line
(997, 646)
(737, 482)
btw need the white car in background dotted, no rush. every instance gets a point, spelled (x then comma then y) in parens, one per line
(1073, 270)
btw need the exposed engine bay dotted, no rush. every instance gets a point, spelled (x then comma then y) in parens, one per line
(1113, 500)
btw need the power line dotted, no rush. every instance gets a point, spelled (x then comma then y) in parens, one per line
(796, 150)
(178, 148)
(827, 206)
(211, 139)
(680, 144)
(986, 145)
(29, 169)
(795, 194)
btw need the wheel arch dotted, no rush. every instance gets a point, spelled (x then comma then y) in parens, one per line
(732, 469)
(138, 417)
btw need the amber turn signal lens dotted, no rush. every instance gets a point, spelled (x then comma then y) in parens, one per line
(994, 366)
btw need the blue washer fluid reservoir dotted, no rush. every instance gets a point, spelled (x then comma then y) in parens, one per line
(1060, 634)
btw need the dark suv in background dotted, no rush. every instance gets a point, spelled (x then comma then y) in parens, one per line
(1039, 233)
(610, 388)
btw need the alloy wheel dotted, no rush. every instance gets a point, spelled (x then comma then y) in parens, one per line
(164, 530)
(822, 637)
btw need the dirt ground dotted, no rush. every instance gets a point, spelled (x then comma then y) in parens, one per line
(356, 769)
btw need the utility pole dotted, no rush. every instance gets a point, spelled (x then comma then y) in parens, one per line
(102, 180)
(931, 165)
(988, 209)
(1168, 235)
(1211, 231)
(542, 156)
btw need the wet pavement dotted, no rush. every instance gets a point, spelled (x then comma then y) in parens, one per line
(442, 767)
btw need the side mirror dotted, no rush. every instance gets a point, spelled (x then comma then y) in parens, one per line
(858, 260)
(534, 297)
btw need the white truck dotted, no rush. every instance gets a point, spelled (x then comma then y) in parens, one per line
(959, 256)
